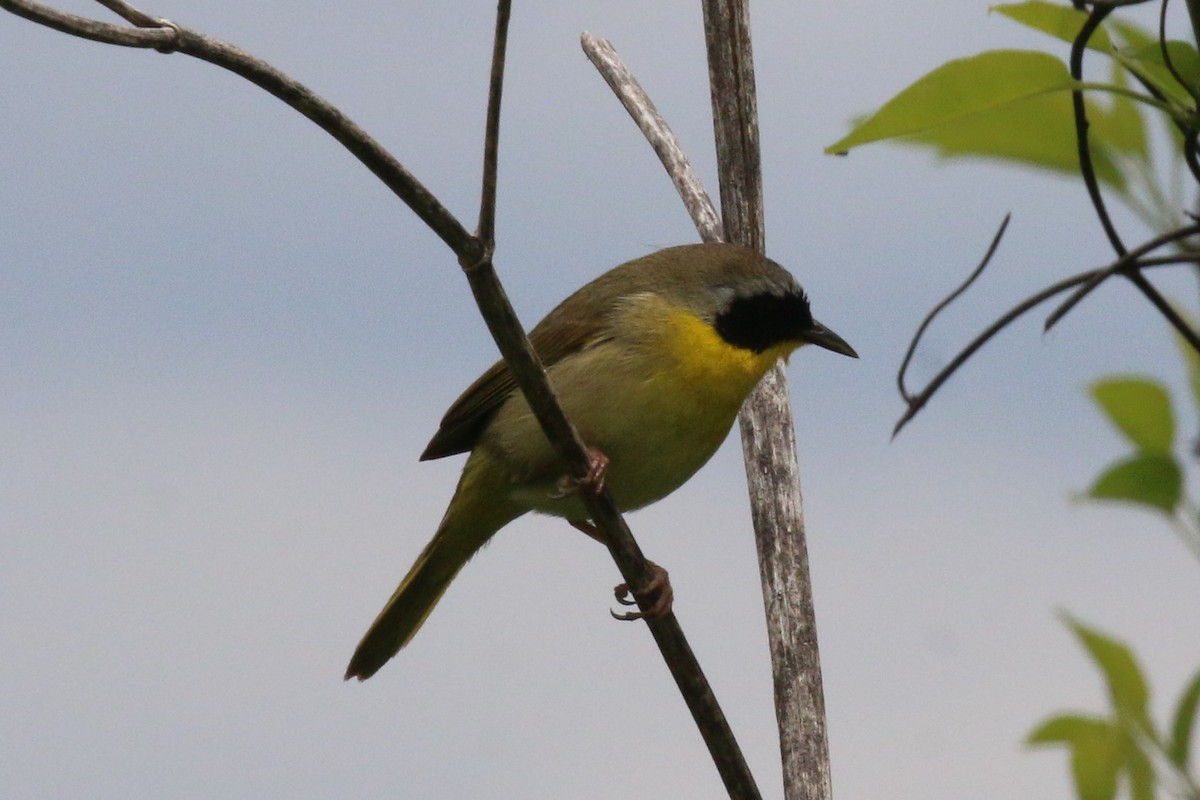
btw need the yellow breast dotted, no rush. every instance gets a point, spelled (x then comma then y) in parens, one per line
(700, 358)
(657, 397)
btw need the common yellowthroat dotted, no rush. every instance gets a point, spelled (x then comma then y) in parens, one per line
(651, 361)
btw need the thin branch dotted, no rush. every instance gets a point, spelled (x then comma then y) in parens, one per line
(1165, 52)
(1086, 167)
(505, 328)
(1193, 8)
(131, 14)
(491, 143)
(1128, 261)
(915, 404)
(950, 298)
(918, 402)
(89, 28)
(735, 773)
(1164, 307)
(644, 113)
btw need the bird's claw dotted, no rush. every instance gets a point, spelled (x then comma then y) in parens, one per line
(592, 482)
(657, 596)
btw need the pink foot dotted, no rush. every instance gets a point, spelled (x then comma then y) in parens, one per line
(592, 482)
(658, 597)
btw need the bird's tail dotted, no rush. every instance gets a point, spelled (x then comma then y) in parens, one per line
(475, 513)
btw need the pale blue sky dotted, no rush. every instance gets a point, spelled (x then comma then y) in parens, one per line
(223, 346)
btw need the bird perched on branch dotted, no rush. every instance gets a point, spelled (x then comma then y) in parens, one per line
(651, 362)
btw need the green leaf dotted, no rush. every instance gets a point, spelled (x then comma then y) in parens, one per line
(1130, 33)
(958, 89)
(1122, 127)
(1139, 769)
(1066, 728)
(1126, 684)
(1140, 408)
(1192, 360)
(1179, 748)
(1061, 22)
(1147, 61)
(1149, 479)
(1095, 752)
(1038, 131)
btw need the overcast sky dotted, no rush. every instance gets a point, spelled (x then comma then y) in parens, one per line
(223, 345)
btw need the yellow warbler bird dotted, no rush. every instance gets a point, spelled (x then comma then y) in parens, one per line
(651, 362)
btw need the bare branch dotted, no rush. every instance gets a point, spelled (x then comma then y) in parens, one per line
(644, 113)
(131, 14)
(918, 402)
(91, 29)
(950, 298)
(1130, 260)
(491, 143)
(1086, 167)
(735, 120)
(768, 435)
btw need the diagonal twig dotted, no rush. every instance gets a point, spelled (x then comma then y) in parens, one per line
(1130, 260)
(950, 298)
(660, 136)
(917, 402)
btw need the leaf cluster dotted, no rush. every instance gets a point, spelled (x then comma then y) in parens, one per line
(1124, 747)
(1016, 105)
(1153, 475)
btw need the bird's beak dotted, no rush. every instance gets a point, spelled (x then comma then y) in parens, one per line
(821, 336)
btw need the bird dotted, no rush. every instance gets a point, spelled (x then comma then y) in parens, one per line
(651, 361)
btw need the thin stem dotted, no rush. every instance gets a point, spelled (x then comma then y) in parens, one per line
(1165, 308)
(919, 401)
(950, 298)
(1155, 100)
(491, 142)
(1123, 263)
(658, 133)
(130, 14)
(151, 38)
(1193, 7)
(1086, 167)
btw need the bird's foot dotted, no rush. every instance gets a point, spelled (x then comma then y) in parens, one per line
(658, 594)
(592, 482)
(656, 599)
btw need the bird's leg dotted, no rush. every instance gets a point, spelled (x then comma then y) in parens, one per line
(592, 482)
(658, 595)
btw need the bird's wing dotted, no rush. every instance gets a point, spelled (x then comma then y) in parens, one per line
(560, 334)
